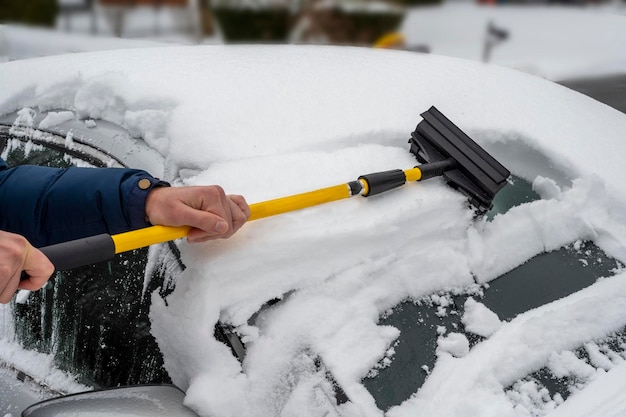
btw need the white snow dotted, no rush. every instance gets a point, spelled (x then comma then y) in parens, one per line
(455, 344)
(479, 320)
(55, 118)
(268, 121)
(39, 366)
(603, 397)
(566, 363)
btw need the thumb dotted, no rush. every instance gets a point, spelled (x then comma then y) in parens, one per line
(39, 269)
(205, 224)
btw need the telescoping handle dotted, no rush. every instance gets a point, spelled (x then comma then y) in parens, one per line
(104, 247)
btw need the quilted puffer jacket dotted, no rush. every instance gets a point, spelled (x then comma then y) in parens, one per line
(52, 205)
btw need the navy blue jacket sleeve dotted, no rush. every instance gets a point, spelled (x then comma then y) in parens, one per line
(52, 205)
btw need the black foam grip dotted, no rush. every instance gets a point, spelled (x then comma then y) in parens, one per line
(80, 252)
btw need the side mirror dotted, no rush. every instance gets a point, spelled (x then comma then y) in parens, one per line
(133, 401)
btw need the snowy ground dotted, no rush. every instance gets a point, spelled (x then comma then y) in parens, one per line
(271, 121)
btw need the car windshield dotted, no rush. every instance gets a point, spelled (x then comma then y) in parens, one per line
(94, 319)
(544, 278)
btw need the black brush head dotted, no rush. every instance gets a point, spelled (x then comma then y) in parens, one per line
(474, 172)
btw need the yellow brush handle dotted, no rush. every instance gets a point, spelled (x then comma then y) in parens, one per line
(299, 201)
(147, 236)
(158, 234)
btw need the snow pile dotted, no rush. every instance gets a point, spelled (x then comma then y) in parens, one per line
(271, 121)
(566, 363)
(546, 225)
(479, 320)
(55, 118)
(582, 371)
(603, 397)
(532, 399)
(39, 366)
(455, 344)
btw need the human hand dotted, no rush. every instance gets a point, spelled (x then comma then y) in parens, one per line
(17, 255)
(207, 209)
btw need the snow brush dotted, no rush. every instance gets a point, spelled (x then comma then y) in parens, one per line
(439, 145)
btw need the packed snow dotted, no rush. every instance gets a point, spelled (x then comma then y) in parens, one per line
(55, 118)
(479, 320)
(269, 121)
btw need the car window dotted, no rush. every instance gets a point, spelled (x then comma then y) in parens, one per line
(535, 283)
(94, 319)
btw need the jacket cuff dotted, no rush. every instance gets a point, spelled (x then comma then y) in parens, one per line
(139, 188)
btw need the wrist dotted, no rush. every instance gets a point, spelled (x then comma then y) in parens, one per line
(152, 200)
(143, 187)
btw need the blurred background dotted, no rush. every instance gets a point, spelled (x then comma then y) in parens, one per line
(351, 21)
(560, 40)
(360, 22)
(381, 23)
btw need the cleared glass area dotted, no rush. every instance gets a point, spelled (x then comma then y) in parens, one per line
(544, 278)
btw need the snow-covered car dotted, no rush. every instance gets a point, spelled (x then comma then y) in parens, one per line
(406, 303)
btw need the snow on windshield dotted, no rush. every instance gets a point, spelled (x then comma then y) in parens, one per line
(271, 121)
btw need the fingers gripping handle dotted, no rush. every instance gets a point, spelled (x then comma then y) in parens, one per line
(79, 252)
(103, 247)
